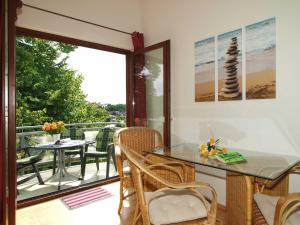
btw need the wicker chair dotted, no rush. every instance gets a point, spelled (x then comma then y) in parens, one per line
(138, 139)
(175, 203)
(276, 210)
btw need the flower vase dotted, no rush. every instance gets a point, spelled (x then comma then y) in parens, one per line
(55, 137)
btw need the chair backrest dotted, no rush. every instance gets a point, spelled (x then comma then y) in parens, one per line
(138, 139)
(139, 163)
(90, 135)
(141, 170)
(138, 166)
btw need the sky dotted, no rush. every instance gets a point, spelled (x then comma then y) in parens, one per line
(104, 74)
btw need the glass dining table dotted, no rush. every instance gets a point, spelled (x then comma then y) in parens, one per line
(242, 179)
(268, 166)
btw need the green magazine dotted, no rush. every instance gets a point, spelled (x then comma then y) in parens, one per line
(231, 157)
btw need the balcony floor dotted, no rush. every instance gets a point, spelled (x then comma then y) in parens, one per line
(32, 188)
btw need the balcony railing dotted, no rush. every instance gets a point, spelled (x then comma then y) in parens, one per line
(45, 165)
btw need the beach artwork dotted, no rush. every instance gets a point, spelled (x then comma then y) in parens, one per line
(261, 60)
(205, 70)
(230, 66)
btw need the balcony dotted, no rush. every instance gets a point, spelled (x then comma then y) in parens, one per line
(28, 184)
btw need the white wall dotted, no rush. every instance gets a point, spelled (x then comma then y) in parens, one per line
(123, 15)
(260, 125)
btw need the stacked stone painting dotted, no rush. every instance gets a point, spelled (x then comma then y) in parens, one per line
(230, 66)
(259, 63)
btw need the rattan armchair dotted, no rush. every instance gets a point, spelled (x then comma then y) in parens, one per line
(175, 203)
(138, 139)
(276, 210)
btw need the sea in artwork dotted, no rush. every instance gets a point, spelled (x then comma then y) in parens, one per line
(205, 70)
(230, 66)
(261, 60)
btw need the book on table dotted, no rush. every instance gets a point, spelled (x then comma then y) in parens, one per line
(231, 157)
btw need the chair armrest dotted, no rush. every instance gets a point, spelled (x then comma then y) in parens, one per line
(286, 206)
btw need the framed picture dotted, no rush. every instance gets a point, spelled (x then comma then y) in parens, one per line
(205, 70)
(261, 60)
(230, 66)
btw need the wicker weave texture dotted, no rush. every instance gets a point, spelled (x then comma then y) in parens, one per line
(240, 206)
(140, 170)
(151, 184)
(138, 139)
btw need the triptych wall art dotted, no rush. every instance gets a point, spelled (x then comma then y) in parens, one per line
(221, 58)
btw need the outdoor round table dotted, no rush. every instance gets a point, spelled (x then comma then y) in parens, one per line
(60, 148)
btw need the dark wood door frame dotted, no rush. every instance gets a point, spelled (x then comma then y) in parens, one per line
(11, 173)
(2, 118)
(11, 129)
(167, 90)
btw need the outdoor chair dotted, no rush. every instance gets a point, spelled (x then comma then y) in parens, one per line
(101, 147)
(28, 157)
(277, 210)
(138, 139)
(177, 202)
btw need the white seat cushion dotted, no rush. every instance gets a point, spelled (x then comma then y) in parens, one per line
(174, 206)
(267, 205)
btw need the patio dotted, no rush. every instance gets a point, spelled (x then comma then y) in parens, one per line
(27, 138)
(32, 188)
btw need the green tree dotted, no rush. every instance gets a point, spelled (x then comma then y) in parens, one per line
(117, 108)
(47, 90)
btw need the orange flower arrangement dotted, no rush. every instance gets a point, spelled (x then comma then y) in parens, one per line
(54, 127)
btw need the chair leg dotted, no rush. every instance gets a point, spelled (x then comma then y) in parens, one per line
(38, 175)
(83, 167)
(97, 163)
(121, 197)
(54, 162)
(114, 157)
(82, 162)
(107, 165)
(69, 160)
(137, 214)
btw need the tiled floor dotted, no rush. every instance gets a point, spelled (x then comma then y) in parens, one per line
(104, 212)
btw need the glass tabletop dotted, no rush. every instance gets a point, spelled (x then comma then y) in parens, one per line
(63, 145)
(262, 165)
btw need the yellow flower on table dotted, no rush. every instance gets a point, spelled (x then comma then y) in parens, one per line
(212, 141)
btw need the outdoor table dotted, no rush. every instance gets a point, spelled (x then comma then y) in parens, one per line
(60, 148)
(267, 170)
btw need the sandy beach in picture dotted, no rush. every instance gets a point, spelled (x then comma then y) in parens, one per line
(205, 70)
(204, 91)
(261, 60)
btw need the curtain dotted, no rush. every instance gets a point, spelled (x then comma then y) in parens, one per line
(140, 110)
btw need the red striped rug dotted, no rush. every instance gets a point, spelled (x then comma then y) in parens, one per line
(85, 197)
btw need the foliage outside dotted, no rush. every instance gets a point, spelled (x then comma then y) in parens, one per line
(48, 90)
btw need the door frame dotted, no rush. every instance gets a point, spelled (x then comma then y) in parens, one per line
(11, 174)
(167, 89)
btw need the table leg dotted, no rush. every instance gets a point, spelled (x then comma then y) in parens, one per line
(239, 195)
(60, 166)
